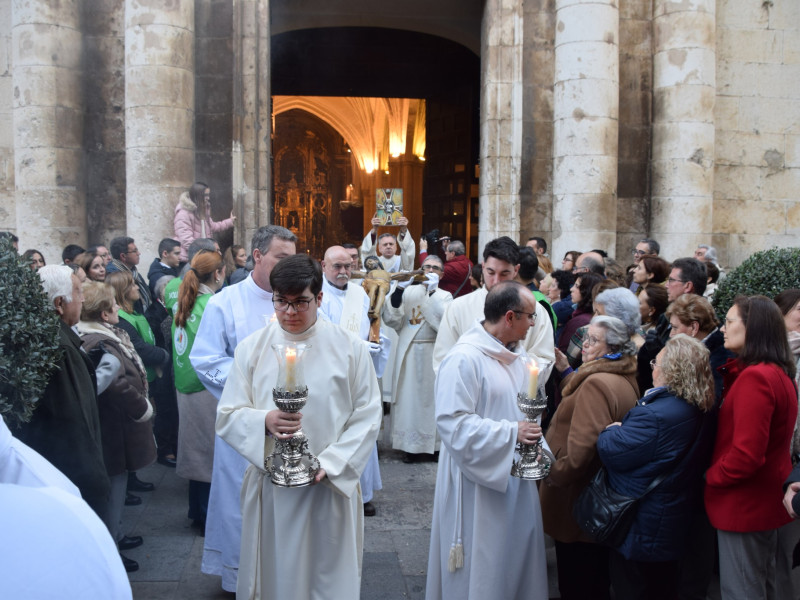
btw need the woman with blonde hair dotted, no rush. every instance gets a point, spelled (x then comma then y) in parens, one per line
(125, 413)
(669, 434)
(197, 407)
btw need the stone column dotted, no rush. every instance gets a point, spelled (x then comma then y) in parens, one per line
(683, 125)
(586, 110)
(159, 116)
(501, 120)
(48, 125)
(252, 118)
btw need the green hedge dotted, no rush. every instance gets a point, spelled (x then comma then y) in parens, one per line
(768, 272)
(29, 348)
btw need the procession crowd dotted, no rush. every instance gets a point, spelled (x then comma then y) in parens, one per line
(648, 393)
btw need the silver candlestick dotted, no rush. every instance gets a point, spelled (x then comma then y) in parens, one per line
(534, 461)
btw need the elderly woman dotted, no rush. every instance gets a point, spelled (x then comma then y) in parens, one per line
(124, 410)
(653, 302)
(668, 433)
(93, 264)
(751, 460)
(621, 303)
(197, 407)
(693, 315)
(601, 392)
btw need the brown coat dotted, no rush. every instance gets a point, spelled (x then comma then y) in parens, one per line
(126, 422)
(599, 393)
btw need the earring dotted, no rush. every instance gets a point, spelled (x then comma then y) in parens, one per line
(216, 279)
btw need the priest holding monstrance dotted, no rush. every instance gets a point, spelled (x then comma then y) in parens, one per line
(301, 540)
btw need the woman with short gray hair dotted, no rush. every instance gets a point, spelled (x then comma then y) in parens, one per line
(624, 305)
(600, 392)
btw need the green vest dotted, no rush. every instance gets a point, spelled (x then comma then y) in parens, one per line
(186, 381)
(539, 297)
(171, 295)
(141, 325)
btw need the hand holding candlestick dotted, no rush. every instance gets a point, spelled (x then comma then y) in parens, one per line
(534, 461)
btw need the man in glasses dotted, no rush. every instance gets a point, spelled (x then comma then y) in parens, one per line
(314, 531)
(348, 306)
(500, 263)
(415, 312)
(230, 316)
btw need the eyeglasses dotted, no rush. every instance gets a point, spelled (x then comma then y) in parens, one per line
(579, 270)
(671, 280)
(134, 251)
(590, 340)
(298, 305)
(431, 268)
(654, 364)
(638, 252)
(531, 316)
(726, 320)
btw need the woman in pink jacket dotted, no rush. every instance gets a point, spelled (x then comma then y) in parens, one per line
(193, 217)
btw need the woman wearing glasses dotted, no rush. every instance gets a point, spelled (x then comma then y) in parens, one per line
(751, 460)
(197, 407)
(599, 393)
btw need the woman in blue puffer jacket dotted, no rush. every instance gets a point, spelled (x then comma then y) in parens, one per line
(671, 430)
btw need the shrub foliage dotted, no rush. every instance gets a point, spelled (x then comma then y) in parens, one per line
(29, 346)
(768, 272)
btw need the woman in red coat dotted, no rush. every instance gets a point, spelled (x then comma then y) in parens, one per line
(751, 459)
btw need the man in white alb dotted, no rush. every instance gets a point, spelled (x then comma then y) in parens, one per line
(302, 542)
(230, 316)
(347, 306)
(500, 263)
(487, 539)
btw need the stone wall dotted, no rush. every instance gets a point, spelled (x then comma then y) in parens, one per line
(757, 116)
(8, 211)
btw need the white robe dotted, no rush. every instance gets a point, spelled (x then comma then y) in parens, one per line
(303, 542)
(478, 503)
(462, 314)
(331, 308)
(403, 261)
(230, 316)
(416, 320)
(45, 521)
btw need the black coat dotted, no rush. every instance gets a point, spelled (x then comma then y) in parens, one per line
(65, 427)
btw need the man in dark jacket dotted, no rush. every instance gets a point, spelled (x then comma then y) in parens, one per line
(169, 257)
(65, 428)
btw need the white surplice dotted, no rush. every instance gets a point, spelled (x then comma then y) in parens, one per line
(338, 304)
(462, 314)
(303, 542)
(416, 320)
(230, 316)
(478, 504)
(402, 261)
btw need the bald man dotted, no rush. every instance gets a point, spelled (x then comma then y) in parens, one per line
(347, 306)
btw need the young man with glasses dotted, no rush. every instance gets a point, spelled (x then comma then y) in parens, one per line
(415, 312)
(230, 316)
(317, 530)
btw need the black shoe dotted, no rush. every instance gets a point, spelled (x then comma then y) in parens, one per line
(129, 564)
(200, 526)
(131, 500)
(409, 458)
(369, 509)
(167, 461)
(130, 542)
(137, 485)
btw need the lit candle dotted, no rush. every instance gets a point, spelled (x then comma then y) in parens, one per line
(533, 379)
(291, 365)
